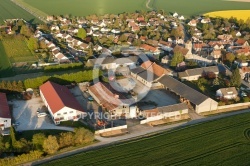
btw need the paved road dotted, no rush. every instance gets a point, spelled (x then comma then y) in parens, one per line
(144, 131)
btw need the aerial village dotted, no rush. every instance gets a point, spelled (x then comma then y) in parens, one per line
(154, 69)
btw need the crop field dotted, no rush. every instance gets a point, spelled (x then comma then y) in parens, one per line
(87, 7)
(17, 50)
(239, 14)
(5, 65)
(220, 142)
(9, 10)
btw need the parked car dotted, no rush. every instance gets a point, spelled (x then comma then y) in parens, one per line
(41, 115)
(90, 98)
(16, 124)
(243, 94)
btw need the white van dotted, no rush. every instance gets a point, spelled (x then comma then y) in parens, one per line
(41, 115)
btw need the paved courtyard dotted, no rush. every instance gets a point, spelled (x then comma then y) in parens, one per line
(25, 112)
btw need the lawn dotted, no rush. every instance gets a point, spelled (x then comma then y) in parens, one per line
(9, 10)
(5, 65)
(17, 50)
(99, 7)
(219, 142)
(87, 7)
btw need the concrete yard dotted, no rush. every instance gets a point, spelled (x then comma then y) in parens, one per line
(25, 112)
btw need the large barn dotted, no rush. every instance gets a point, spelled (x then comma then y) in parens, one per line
(199, 101)
(5, 116)
(61, 103)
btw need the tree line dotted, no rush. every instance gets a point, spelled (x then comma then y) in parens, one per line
(41, 144)
(8, 86)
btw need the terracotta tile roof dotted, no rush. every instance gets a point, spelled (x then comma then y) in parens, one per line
(4, 107)
(58, 97)
(105, 96)
(240, 41)
(154, 68)
(148, 47)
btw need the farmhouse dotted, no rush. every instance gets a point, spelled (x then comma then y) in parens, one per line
(5, 116)
(227, 93)
(61, 103)
(199, 101)
(195, 74)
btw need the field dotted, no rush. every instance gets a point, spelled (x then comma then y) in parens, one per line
(239, 14)
(5, 65)
(17, 50)
(9, 10)
(87, 7)
(220, 142)
(82, 8)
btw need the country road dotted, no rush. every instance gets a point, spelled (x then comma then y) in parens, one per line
(134, 134)
(147, 5)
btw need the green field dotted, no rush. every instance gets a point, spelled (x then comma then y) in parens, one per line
(5, 66)
(87, 7)
(194, 7)
(9, 10)
(220, 142)
(17, 50)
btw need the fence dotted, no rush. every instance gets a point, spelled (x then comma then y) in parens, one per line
(111, 129)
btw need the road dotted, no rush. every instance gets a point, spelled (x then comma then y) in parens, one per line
(134, 134)
(147, 5)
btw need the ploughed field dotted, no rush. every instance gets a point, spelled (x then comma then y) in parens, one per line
(220, 142)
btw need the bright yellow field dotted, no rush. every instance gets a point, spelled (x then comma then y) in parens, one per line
(239, 14)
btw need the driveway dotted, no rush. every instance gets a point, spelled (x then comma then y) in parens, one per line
(25, 113)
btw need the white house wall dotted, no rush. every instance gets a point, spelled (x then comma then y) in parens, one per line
(6, 122)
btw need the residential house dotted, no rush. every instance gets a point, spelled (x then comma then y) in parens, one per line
(175, 15)
(192, 23)
(5, 115)
(165, 59)
(61, 103)
(150, 49)
(205, 20)
(225, 37)
(216, 54)
(181, 17)
(199, 101)
(241, 42)
(166, 46)
(195, 74)
(227, 93)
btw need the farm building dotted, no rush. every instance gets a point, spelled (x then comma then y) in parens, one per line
(61, 103)
(164, 112)
(195, 74)
(5, 116)
(199, 101)
(109, 100)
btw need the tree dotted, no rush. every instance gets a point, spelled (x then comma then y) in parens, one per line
(50, 145)
(230, 57)
(235, 78)
(38, 140)
(81, 33)
(33, 43)
(83, 135)
(20, 86)
(12, 136)
(42, 44)
(65, 139)
(177, 58)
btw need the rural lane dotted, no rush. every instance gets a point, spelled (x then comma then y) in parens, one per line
(147, 5)
(104, 142)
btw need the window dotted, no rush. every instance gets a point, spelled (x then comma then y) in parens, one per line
(71, 112)
(58, 114)
(65, 113)
(5, 121)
